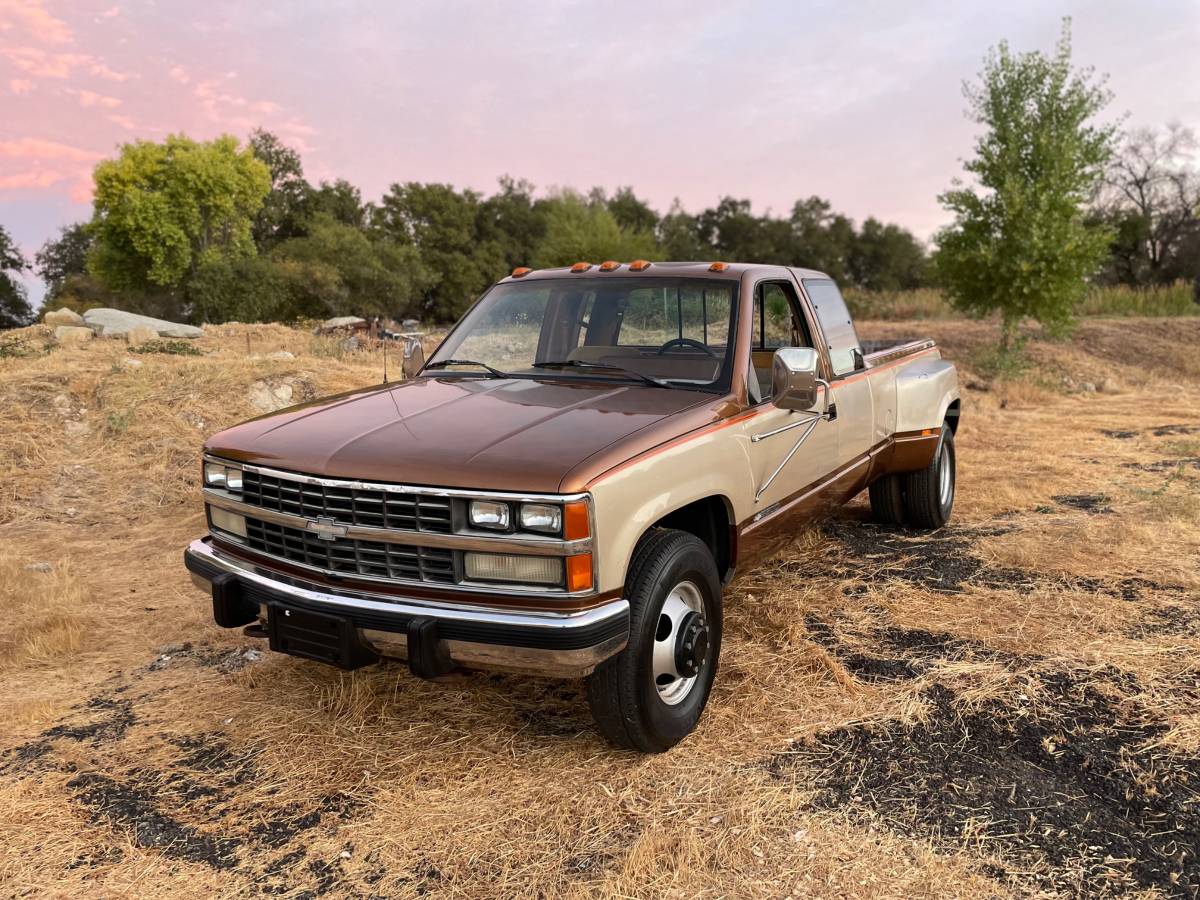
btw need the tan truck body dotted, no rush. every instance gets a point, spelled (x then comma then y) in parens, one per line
(636, 456)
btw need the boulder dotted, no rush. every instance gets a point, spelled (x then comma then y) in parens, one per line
(62, 316)
(269, 397)
(339, 322)
(140, 334)
(72, 334)
(118, 323)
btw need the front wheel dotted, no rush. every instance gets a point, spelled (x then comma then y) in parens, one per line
(650, 695)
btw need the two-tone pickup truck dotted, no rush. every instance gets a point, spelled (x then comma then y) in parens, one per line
(563, 490)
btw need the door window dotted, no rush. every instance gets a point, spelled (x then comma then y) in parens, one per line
(777, 323)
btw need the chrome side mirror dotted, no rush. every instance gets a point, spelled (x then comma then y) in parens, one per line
(794, 378)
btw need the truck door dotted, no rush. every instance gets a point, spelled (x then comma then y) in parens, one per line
(779, 321)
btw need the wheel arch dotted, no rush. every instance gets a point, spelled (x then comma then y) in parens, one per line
(710, 519)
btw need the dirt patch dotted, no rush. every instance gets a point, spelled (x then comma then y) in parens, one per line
(1058, 781)
(132, 809)
(1165, 465)
(1094, 504)
(1165, 430)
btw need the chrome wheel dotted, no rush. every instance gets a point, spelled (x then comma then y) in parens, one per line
(680, 643)
(945, 478)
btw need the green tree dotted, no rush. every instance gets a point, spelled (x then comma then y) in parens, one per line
(164, 209)
(678, 235)
(631, 212)
(1021, 243)
(512, 220)
(63, 257)
(341, 201)
(377, 276)
(285, 209)
(14, 307)
(821, 238)
(886, 258)
(578, 230)
(441, 224)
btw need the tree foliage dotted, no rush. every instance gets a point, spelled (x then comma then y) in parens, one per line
(163, 210)
(14, 307)
(582, 230)
(64, 257)
(286, 206)
(1021, 242)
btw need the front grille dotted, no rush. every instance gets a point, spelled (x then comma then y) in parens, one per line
(350, 506)
(350, 557)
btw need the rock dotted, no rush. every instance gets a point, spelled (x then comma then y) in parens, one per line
(1109, 386)
(62, 316)
(77, 429)
(133, 363)
(281, 354)
(42, 568)
(140, 334)
(62, 404)
(268, 397)
(1087, 387)
(117, 323)
(72, 334)
(339, 322)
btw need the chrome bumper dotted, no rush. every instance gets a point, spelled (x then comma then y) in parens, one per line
(566, 645)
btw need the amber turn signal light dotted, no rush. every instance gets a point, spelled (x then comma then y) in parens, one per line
(579, 572)
(718, 267)
(520, 271)
(581, 267)
(609, 264)
(576, 523)
(639, 265)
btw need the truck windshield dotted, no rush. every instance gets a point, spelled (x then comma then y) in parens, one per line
(672, 332)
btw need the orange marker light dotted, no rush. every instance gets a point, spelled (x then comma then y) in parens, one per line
(579, 572)
(521, 270)
(609, 264)
(718, 267)
(639, 265)
(576, 523)
(581, 267)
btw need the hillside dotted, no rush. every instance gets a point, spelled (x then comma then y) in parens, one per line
(1009, 705)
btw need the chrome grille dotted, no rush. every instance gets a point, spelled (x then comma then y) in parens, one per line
(350, 506)
(351, 557)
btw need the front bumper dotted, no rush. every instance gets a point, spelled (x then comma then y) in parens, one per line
(567, 645)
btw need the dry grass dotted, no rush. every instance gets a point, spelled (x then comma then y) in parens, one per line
(876, 687)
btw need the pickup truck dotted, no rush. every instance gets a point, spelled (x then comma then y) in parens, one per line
(564, 489)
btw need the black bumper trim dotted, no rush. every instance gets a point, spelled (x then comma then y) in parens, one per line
(448, 629)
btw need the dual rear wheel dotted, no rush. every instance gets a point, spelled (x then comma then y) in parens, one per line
(921, 499)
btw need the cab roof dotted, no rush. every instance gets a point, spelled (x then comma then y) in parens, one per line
(730, 271)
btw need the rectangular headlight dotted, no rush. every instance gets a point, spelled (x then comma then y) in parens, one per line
(489, 514)
(217, 475)
(523, 569)
(541, 517)
(227, 521)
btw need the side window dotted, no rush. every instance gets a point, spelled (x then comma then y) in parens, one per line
(844, 348)
(776, 324)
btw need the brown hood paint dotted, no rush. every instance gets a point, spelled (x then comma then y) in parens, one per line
(510, 434)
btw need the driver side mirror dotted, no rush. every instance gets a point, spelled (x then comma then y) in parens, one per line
(794, 378)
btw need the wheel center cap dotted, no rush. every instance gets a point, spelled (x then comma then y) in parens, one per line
(691, 646)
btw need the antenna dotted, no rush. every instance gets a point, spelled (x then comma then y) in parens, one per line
(385, 343)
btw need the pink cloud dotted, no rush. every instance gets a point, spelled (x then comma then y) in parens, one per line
(38, 62)
(124, 121)
(101, 70)
(179, 73)
(91, 98)
(37, 178)
(37, 149)
(110, 12)
(32, 17)
(21, 86)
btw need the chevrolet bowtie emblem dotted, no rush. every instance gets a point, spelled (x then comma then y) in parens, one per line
(325, 529)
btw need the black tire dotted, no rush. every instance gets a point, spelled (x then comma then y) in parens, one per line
(626, 703)
(926, 504)
(887, 500)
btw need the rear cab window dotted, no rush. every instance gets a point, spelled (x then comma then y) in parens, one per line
(845, 351)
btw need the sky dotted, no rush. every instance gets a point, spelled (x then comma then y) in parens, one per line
(858, 101)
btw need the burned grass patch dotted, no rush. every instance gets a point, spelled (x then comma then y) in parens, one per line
(1059, 780)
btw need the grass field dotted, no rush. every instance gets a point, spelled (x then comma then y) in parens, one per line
(1008, 707)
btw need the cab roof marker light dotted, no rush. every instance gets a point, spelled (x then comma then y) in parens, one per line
(639, 265)
(521, 271)
(581, 267)
(718, 267)
(609, 265)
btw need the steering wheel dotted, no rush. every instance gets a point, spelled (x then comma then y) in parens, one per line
(686, 342)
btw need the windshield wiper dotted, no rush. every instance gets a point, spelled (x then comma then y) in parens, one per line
(580, 364)
(492, 373)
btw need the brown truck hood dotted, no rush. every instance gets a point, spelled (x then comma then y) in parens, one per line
(511, 434)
